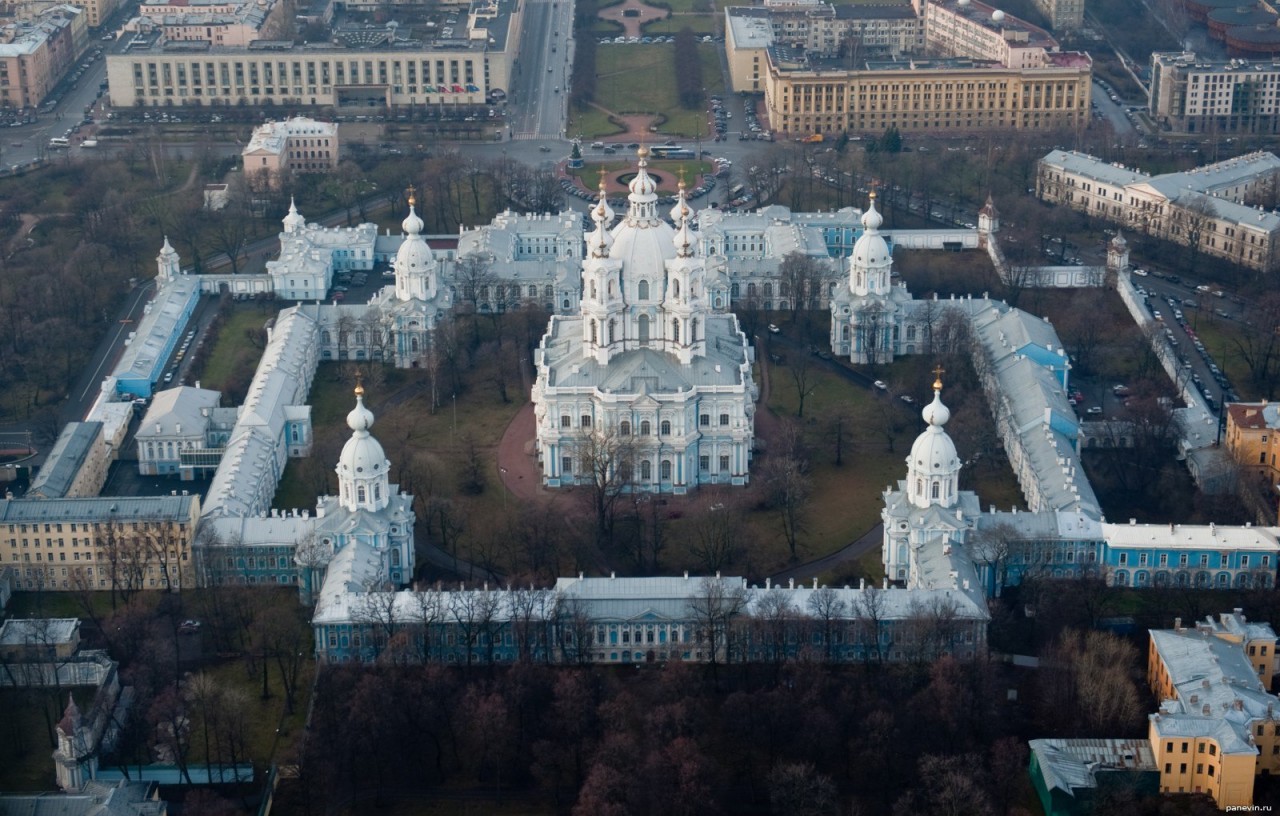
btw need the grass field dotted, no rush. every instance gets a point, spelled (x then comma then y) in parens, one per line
(1218, 336)
(592, 123)
(641, 79)
(700, 24)
(234, 353)
(669, 172)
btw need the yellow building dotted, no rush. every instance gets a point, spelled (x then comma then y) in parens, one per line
(34, 55)
(127, 544)
(1253, 437)
(926, 96)
(1217, 727)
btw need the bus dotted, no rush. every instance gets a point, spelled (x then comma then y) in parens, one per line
(668, 152)
(58, 142)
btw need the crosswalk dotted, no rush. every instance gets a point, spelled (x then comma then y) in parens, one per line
(529, 137)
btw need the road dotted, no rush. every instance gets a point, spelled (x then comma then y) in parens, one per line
(23, 145)
(537, 104)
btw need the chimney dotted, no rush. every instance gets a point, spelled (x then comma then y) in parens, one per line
(791, 583)
(815, 582)
(768, 583)
(862, 583)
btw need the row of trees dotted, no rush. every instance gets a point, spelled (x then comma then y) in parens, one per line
(688, 65)
(676, 738)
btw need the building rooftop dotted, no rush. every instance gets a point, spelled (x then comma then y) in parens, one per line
(1192, 536)
(176, 408)
(273, 137)
(142, 358)
(97, 508)
(69, 454)
(1255, 415)
(1070, 765)
(645, 370)
(38, 631)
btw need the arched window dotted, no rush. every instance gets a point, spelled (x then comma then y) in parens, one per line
(665, 470)
(360, 494)
(919, 487)
(325, 337)
(675, 330)
(644, 329)
(733, 291)
(646, 471)
(645, 427)
(768, 290)
(642, 290)
(612, 325)
(935, 490)
(533, 291)
(548, 291)
(413, 344)
(675, 287)
(395, 558)
(693, 331)
(377, 492)
(911, 332)
(624, 428)
(751, 290)
(664, 427)
(594, 340)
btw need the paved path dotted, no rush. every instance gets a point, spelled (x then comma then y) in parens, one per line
(846, 555)
(632, 25)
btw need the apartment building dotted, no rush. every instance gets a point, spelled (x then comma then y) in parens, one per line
(1253, 437)
(35, 54)
(1198, 95)
(1212, 206)
(125, 544)
(222, 24)
(297, 145)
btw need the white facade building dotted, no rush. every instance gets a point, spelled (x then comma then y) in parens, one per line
(649, 383)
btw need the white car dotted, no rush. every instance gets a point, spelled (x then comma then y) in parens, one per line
(773, 329)
(881, 385)
(1142, 273)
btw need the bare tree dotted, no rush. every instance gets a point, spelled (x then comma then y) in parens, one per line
(605, 458)
(713, 609)
(719, 535)
(829, 608)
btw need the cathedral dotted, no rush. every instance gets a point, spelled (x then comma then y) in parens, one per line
(649, 386)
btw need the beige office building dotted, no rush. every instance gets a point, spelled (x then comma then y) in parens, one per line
(148, 69)
(97, 543)
(927, 96)
(298, 145)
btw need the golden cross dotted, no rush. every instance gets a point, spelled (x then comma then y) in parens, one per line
(938, 371)
(412, 195)
(359, 383)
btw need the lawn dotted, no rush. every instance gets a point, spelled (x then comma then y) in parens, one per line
(669, 172)
(641, 79)
(700, 24)
(234, 353)
(1218, 336)
(592, 123)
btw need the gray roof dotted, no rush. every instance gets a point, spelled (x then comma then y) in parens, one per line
(39, 631)
(122, 798)
(1070, 765)
(240, 484)
(69, 453)
(1218, 691)
(157, 326)
(159, 508)
(175, 408)
(645, 370)
(1094, 168)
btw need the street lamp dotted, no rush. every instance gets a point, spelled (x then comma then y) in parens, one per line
(503, 471)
